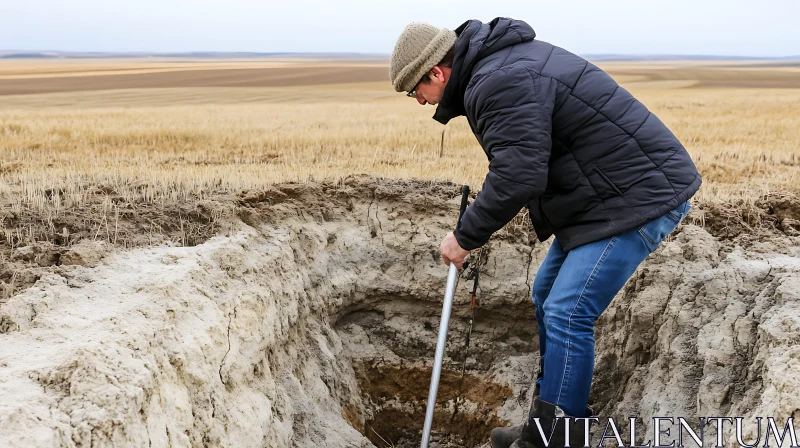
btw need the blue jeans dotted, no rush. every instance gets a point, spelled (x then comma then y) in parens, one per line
(571, 290)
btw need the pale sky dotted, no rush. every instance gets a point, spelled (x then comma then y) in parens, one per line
(707, 27)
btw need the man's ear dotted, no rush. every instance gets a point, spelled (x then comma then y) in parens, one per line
(438, 73)
(442, 73)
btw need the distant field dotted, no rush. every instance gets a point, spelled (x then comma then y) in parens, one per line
(26, 77)
(699, 76)
(47, 76)
(183, 129)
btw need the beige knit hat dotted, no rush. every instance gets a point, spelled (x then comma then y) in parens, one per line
(418, 49)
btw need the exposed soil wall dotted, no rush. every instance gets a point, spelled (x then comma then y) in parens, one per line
(311, 321)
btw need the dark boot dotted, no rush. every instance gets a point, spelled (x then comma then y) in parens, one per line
(553, 421)
(504, 437)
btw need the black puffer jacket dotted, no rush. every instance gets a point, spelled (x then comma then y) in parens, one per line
(562, 137)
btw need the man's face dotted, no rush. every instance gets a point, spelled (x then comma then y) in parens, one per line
(430, 92)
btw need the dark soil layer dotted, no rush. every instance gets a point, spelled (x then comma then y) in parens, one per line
(409, 385)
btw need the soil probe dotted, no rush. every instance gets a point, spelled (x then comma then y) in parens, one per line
(452, 279)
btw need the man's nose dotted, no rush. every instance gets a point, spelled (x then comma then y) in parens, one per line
(421, 101)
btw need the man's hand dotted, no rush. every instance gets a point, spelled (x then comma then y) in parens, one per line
(452, 252)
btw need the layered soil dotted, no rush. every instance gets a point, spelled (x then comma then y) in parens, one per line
(306, 315)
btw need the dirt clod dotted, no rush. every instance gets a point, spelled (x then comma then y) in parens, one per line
(84, 253)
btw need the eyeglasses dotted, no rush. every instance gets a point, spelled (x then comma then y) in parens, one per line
(413, 92)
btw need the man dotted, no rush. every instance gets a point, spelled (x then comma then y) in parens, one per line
(594, 167)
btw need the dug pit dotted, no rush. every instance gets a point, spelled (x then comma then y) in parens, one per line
(312, 320)
(390, 349)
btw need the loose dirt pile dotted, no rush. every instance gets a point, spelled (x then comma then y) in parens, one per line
(311, 320)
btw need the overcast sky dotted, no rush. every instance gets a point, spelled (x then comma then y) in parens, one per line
(707, 27)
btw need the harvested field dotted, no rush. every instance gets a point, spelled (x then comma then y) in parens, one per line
(26, 77)
(161, 143)
(32, 68)
(258, 266)
(699, 76)
(227, 77)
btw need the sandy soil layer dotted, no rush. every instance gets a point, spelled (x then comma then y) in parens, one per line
(310, 320)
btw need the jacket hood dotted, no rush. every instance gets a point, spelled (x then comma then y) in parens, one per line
(476, 40)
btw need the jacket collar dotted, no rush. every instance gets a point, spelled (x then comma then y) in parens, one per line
(451, 104)
(476, 40)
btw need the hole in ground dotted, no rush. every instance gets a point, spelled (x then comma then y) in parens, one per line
(392, 346)
(466, 409)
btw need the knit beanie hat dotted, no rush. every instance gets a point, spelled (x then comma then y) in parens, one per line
(418, 49)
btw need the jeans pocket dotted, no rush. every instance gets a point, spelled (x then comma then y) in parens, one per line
(680, 212)
(656, 230)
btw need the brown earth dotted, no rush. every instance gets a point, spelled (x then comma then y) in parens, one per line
(764, 77)
(389, 385)
(304, 74)
(251, 77)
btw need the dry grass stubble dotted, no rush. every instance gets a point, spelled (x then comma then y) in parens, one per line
(159, 146)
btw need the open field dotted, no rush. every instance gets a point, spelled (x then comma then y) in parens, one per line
(245, 253)
(80, 159)
(315, 120)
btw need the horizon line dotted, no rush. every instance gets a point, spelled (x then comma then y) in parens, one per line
(67, 54)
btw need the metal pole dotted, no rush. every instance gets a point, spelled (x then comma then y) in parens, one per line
(452, 280)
